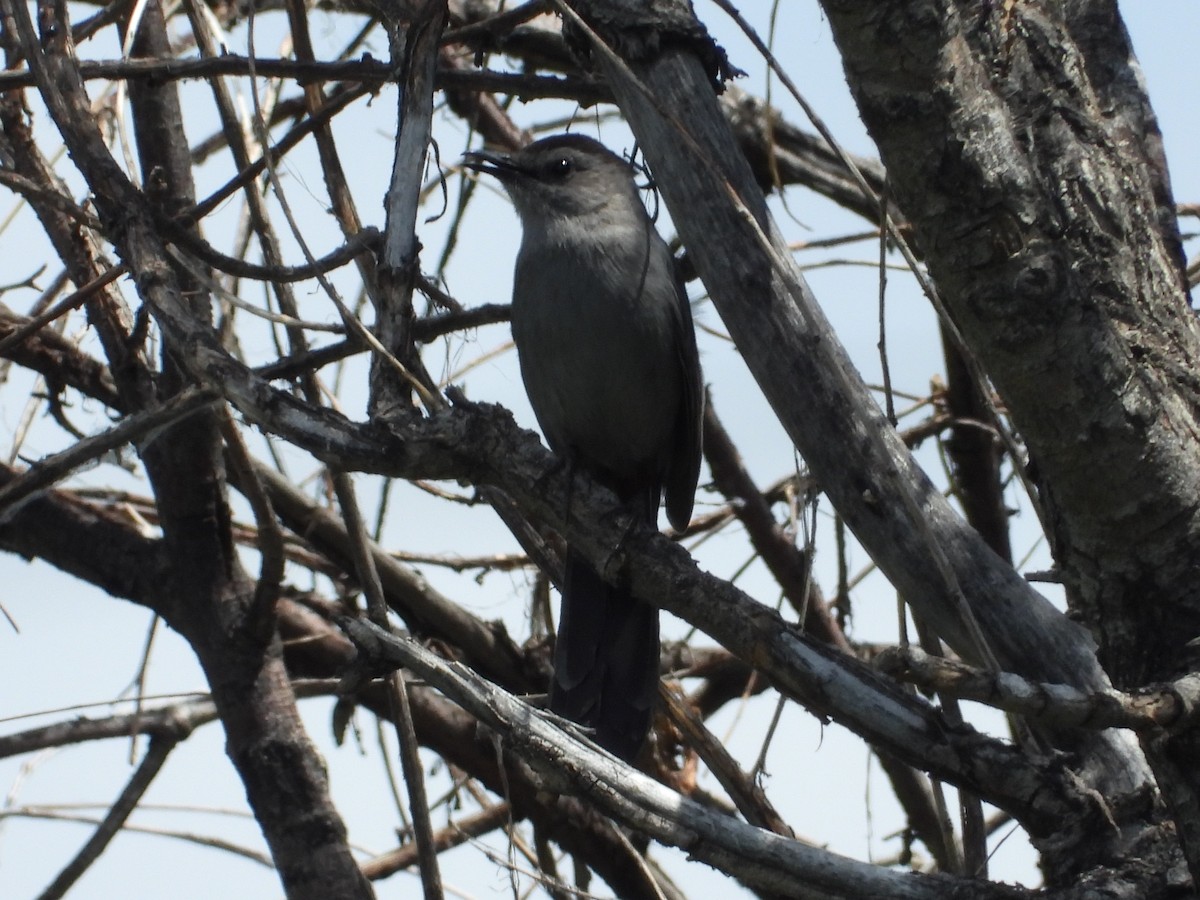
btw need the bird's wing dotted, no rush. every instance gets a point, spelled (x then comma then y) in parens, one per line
(684, 470)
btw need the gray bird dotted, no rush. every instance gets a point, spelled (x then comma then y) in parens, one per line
(608, 356)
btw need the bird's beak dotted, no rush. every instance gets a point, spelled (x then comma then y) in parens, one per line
(488, 162)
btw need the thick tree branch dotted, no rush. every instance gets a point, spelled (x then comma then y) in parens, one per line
(1045, 216)
(902, 520)
(755, 857)
(1170, 707)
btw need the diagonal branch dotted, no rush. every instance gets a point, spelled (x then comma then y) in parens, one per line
(798, 362)
(758, 858)
(156, 756)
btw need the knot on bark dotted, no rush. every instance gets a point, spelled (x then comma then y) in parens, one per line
(1039, 277)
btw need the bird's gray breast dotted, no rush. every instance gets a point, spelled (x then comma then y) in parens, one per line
(596, 334)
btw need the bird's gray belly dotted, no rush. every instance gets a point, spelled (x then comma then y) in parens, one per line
(603, 383)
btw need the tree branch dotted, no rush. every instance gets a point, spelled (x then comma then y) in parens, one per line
(1170, 707)
(757, 858)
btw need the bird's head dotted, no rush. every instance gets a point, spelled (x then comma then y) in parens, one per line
(564, 177)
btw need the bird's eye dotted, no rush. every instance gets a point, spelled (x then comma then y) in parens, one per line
(561, 167)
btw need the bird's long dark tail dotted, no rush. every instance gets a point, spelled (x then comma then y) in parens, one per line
(605, 660)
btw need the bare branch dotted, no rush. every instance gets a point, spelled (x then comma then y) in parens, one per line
(1172, 707)
(566, 763)
(156, 756)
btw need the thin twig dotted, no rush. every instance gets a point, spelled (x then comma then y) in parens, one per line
(465, 829)
(54, 468)
(750, 799)
(160, 747)
(410, 760)
(65, 305)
